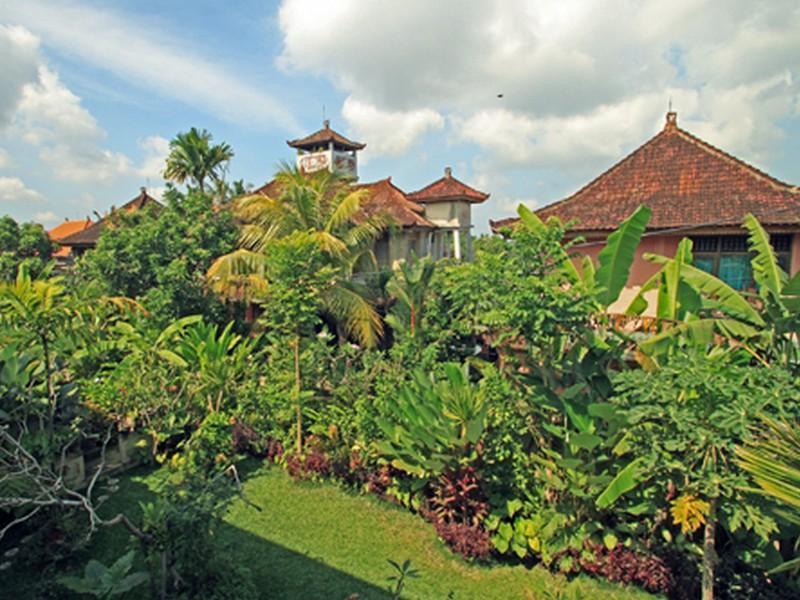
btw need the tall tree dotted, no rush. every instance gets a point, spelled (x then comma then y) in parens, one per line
(26, 243)
(329, 210)
(194, 158)
(159, 256)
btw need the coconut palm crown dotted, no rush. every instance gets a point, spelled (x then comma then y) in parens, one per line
(330, 209)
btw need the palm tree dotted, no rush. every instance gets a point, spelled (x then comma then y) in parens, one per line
(330, 210)
(773, 460)
(193, 157)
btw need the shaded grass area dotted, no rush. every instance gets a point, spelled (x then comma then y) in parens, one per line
(309, 540)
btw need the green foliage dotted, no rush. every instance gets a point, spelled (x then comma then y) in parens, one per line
(210, 446)
(701, 307)
(617, 256)
(409, 286)
(685, 421)
(193, 158)
(26, 244)
(106, 582)
(181, 526)
(402, 572)
(325, 210)
(774, 461)
(159, 256)
(434, 423)
(216, 360)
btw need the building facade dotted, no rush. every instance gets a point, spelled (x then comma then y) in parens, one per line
(694, 190)
(434, 221)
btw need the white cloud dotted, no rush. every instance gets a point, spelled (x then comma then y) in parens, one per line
(139, 52)
(580, 80)
(156, 149)
(47, 217)
(51, 117)
(19, 54)
(389, 132)
(5, 159)
(13, 189)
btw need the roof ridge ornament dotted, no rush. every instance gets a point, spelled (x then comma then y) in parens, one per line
(672, 121)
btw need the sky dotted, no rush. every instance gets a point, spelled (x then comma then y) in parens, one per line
(527, 100)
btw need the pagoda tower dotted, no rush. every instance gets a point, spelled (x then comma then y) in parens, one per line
(327, 149)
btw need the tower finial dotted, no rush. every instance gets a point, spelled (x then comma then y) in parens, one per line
(448, 172)
(672, 121)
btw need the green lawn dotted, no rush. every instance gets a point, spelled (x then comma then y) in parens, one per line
(313, 540)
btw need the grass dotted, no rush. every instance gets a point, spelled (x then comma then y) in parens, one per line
(311, 540)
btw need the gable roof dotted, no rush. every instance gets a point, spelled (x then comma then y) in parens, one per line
(87, 238)
(323, 137)
(66, 228)
(447, 189)
(386, 198)
(686, 182)
(383, 197)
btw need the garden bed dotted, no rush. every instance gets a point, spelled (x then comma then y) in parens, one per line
(310, 540)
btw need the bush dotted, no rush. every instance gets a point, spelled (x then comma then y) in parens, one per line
(470, 541)
(623, 565)
(457, 497)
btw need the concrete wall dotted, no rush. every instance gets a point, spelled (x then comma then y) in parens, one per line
(449, 214)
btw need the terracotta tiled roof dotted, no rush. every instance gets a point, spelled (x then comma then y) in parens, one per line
(87, 238)
(383, 197)
(323, 137)
(66, 228)
(386, 198)
(447, 189)
(685, 181)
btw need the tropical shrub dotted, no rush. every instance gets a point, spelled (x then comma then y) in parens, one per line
(159, 256)
(434, 423)
(684, 423)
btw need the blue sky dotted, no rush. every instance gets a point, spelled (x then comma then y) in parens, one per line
(91, 91)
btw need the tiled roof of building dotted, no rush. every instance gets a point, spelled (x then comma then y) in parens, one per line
(67, 228)
(447, 189)
(88, 237)
(686, 182)
(323, 137)
(386, 198)
(383, 197)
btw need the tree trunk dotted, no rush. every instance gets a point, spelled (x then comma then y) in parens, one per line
(709, 552)
(51, 392)
(297, 394)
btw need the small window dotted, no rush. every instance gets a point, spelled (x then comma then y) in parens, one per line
(728, 257)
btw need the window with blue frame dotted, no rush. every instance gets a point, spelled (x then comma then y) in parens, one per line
(728, 257)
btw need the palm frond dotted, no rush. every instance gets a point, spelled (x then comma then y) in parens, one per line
(349, 306)
(239, 275)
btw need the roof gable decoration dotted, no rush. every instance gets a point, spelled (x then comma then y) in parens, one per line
(88, 237)
(323, 138)
(687, 182)
(448, 189)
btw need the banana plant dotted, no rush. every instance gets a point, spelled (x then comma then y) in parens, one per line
(434, 423)
(699, 306)
(609, 276)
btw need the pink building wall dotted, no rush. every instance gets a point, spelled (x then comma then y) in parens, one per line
(666, 245)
